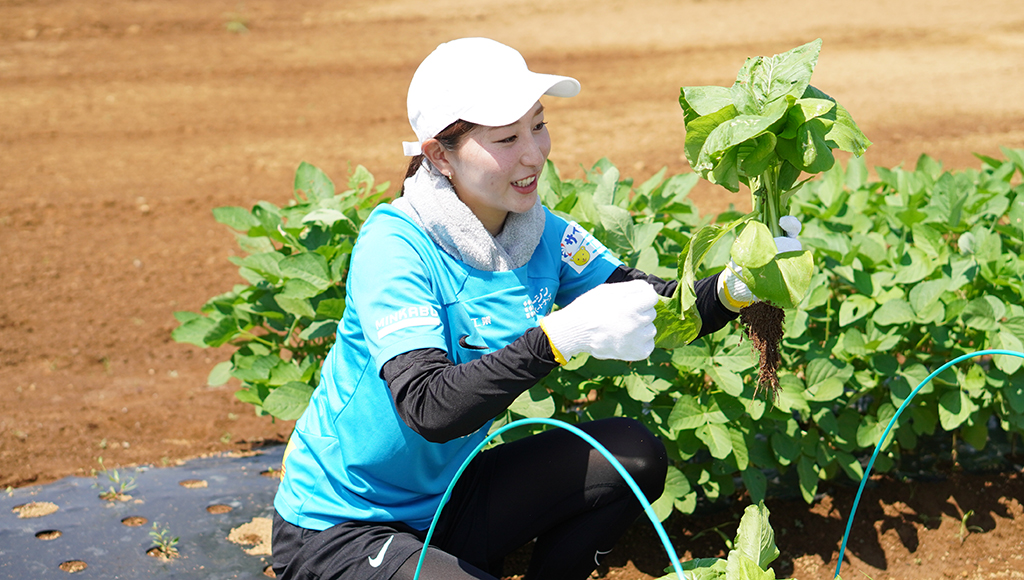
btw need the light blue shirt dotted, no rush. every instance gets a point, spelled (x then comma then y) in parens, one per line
(351, 456)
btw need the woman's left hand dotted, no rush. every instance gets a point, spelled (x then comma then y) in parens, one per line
(732, 291)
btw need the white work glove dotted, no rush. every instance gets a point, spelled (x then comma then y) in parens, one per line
(732, 291)
(611, 321)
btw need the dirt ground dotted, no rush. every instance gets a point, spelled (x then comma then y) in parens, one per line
(124, 123)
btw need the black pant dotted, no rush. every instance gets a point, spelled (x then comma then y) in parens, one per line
(552, 487)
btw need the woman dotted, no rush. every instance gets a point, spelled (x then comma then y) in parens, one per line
(448, 319)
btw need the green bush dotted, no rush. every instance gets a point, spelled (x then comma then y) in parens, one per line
(911, 271)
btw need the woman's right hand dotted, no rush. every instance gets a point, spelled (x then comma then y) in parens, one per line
(611, 321)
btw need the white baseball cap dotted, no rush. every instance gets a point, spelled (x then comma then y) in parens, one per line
(477, 80)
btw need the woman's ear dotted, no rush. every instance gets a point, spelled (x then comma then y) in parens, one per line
(438, 156)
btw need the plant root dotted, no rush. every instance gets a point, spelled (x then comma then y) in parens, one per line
(762, 323)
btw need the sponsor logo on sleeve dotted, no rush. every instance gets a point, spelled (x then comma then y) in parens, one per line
(579, 247)
(407, 318)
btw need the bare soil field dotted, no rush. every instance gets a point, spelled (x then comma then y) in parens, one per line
(123, 123)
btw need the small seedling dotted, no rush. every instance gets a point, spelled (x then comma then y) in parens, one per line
(118, 487)
(165, 545)
(965, 530)
(718, 530)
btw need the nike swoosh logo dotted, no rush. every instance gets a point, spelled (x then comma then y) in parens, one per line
(464, 344)
(376, 560)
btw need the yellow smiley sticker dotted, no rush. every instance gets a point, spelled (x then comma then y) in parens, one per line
(581, 257)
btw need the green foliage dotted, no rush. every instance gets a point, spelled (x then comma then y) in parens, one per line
(164, 544)
(749, 556)
(911, 270)
(282, 323)
(117, 487)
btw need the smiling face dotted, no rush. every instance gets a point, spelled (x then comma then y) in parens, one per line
(495, 169)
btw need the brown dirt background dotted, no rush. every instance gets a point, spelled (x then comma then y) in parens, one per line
(124, 123)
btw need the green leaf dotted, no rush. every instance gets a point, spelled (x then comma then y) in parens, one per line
(643, 387)
(676, 486)
(329, 217)
(983, 313)
(809, 150)
(252, 395)
(331, 308)
(237, 218)
(755, 538)
(784, 281)
(754, 246)
(313, 182)
(225, 330)
(194, 331)
(808, 472)
(299, 307)
(701, 569)
(846, 135)
(743, 568)
(675, 331)
(308, 266)
(1007, 341)
(804, 110)
(536, 402)
(896, 311)
(700, 101)
(756, 483)
(219, 374)
(698, 131)
(955, 407)
(687, 413)
(855, 307)
(914, 266)
(728, 381)
(716, 437)
(975, 432)
(765, 80)
(727, 136)
(288, 401)
(786, 448)
(319, 329)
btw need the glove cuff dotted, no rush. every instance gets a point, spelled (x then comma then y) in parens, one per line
(732, 292)
(559, 357)
(564, 334)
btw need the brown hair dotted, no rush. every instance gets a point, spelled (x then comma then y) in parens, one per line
(449, 137)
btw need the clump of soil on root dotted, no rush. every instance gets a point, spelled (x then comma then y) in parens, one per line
(762, 323)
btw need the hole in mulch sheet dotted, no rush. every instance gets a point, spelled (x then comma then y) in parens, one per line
(72, 566)
(269, 572)
(218, 508)
(162, 554)
(49, 534)
(193, 483)
(113, 538)
(35, 509)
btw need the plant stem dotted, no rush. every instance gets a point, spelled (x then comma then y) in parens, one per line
(768, 199)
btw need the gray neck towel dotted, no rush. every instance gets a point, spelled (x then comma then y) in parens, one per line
(430, 201)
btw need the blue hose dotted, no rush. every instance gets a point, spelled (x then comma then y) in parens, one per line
(593, 442)
(867, 472)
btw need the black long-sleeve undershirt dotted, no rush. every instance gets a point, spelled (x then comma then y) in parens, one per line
(442, 400)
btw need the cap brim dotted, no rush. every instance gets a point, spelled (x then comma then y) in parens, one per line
(507, 104)
(563, 86)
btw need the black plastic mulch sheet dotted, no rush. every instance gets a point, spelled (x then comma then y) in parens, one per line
(87, 529)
